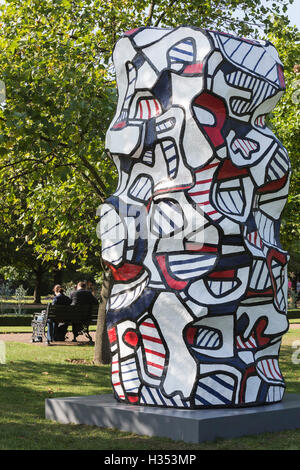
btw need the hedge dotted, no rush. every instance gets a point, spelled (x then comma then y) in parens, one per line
(25, 319)
(294, 313)
(15, 320)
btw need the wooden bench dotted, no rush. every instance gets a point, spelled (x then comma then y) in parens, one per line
(82, 315)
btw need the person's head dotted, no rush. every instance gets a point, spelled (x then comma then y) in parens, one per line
(81, 285)
(58, 289)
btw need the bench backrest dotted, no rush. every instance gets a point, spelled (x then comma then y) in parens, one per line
(73, 313)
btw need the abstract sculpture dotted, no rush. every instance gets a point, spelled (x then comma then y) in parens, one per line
(198, 305)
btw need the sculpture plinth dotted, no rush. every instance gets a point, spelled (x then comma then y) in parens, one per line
(198, 306)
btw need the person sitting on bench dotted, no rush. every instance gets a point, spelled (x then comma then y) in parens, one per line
(59, 299)
(81, 296)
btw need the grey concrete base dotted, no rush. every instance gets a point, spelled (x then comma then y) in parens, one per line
(178, 424)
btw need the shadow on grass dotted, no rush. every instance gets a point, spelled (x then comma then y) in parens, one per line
(290, 370)
(33, 378)
(54, 436)
(33, 374)
(22, 409)
(26, 384)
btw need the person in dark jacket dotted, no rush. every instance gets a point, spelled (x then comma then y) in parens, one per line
(59, 299)
(81, 296)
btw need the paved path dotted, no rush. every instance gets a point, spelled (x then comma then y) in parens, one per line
(26, 338)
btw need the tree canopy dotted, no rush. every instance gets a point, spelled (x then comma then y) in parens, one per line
(60, 98)
(285, 120)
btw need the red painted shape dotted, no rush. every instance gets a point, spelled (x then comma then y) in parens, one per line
(119, 125)
(203, 181)
(273, 186)
(200, 248)
(280, 258)
(252, 293)
(229, 170)
(228, 274)
(193, 68)
(150, 351)
(270, 370)
(131, 338)
(158, 366)
(280, 76)
(149, 204)
(277, 255)
(133, 399)
(173, 283)
(126, 272)
(150, 325)
(152, 339)
(112, 335)
(173, 189)
(148, 108)
(131, 31)
(157, 110)
(248, 372)
(207, 167)
(210, 249)
(217, 107)
(190, 334)
(261, 326)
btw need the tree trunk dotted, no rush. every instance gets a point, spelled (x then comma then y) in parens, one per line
(38, 285)
(102, 348)
(57, 277)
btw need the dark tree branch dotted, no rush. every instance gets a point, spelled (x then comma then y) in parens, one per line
(151, 11)
(96, 188)
(94, 173)
(164, 13)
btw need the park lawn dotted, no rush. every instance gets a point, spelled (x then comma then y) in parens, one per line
(34, 372)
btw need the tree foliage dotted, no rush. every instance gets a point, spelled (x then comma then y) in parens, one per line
(286, 124)
(53, 170)
(60, 98)
(55, 62)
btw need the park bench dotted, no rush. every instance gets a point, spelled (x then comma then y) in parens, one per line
(83, 315)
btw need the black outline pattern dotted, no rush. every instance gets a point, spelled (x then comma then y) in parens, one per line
(239, 264)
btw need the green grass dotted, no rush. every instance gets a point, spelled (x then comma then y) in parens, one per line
(28, 299)
(15, 329)
(36, 372)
